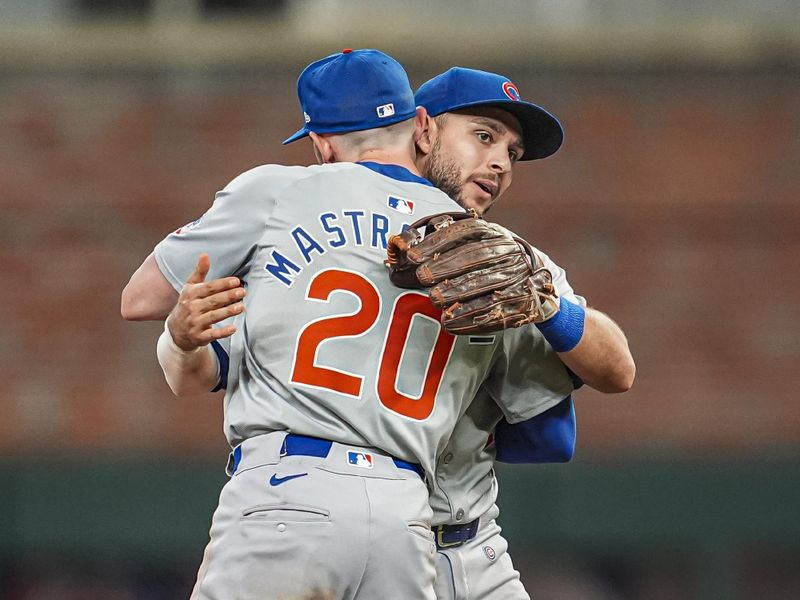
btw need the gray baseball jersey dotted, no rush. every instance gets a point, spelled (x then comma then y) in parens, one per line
(464, 469)
(327, 346)
(465, 487)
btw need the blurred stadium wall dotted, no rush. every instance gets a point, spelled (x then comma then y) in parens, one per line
(673, 204)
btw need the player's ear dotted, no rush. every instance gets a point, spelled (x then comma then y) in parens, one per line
(424, 133)
(323, 149)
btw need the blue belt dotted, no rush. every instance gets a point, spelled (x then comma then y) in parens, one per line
(294, 445)
(450, 536)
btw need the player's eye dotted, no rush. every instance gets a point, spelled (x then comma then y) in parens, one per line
(513, 155)
(484, 136)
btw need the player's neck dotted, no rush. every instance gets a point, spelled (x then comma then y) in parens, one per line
(389, 158)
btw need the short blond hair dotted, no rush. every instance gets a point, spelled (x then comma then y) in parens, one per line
(398, 134)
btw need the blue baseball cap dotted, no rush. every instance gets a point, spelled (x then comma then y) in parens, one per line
(353, 90)
(459, 88)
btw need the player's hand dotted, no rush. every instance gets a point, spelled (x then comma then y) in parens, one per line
(203, 303)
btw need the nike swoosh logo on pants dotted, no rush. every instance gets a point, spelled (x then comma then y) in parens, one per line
(275, 480)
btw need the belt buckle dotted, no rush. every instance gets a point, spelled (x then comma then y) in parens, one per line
(440, 539)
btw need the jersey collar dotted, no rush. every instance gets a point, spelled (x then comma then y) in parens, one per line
(395, 172)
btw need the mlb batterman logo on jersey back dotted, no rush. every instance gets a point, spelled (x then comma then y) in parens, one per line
(401, 205)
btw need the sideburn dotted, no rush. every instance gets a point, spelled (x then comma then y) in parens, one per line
(443, 173)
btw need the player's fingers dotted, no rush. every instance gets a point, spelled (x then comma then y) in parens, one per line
(215, 316)
(215, 286)
(218, 333)
(207, 336)
(194, 292)
(201, 313)
(220, 299)
(200, 270)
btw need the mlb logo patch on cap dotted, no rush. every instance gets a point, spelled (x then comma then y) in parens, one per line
(360, 459)
(387, 110)
(401, 205)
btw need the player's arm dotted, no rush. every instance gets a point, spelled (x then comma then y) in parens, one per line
(588, 342)
(458, 262)
(229, 230)
(187, 373)
(546, 438)
(148, 295)
(188, 350)
(592, 346)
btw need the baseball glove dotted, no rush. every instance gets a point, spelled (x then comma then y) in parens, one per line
(482, 277)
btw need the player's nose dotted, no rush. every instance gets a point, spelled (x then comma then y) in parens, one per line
(499, 160)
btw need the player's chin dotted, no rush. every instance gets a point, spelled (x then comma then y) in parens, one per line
(478, 200)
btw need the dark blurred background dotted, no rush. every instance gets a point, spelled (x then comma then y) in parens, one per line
(674, 204)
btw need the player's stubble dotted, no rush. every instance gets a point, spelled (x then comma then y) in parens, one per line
(444, 173)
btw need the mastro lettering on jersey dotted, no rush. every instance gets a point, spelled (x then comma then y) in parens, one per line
(331, 231)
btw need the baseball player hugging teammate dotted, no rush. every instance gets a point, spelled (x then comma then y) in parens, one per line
(358, 423)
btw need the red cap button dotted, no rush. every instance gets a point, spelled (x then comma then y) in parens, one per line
(347, 51)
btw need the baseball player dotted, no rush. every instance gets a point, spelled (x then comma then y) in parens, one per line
(343, 389)
(468, 109)
(472, 554)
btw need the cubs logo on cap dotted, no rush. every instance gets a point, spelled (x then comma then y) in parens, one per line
(511, 91)
(461, 88)
(353, 90)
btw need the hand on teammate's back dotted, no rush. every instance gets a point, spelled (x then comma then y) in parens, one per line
(203, 303)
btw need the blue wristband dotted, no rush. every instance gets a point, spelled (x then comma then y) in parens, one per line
(565, 330)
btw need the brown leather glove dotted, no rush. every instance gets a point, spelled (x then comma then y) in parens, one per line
(482, 277)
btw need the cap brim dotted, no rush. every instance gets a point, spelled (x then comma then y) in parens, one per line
(542, 134)
(296, 136)
(541, 131)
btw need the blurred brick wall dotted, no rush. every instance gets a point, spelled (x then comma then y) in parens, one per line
(674, 205)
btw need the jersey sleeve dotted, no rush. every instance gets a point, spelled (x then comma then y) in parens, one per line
(529, 377)
(228, 231)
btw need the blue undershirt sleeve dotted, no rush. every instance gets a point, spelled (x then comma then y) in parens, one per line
(222, 357)
(547, 437)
